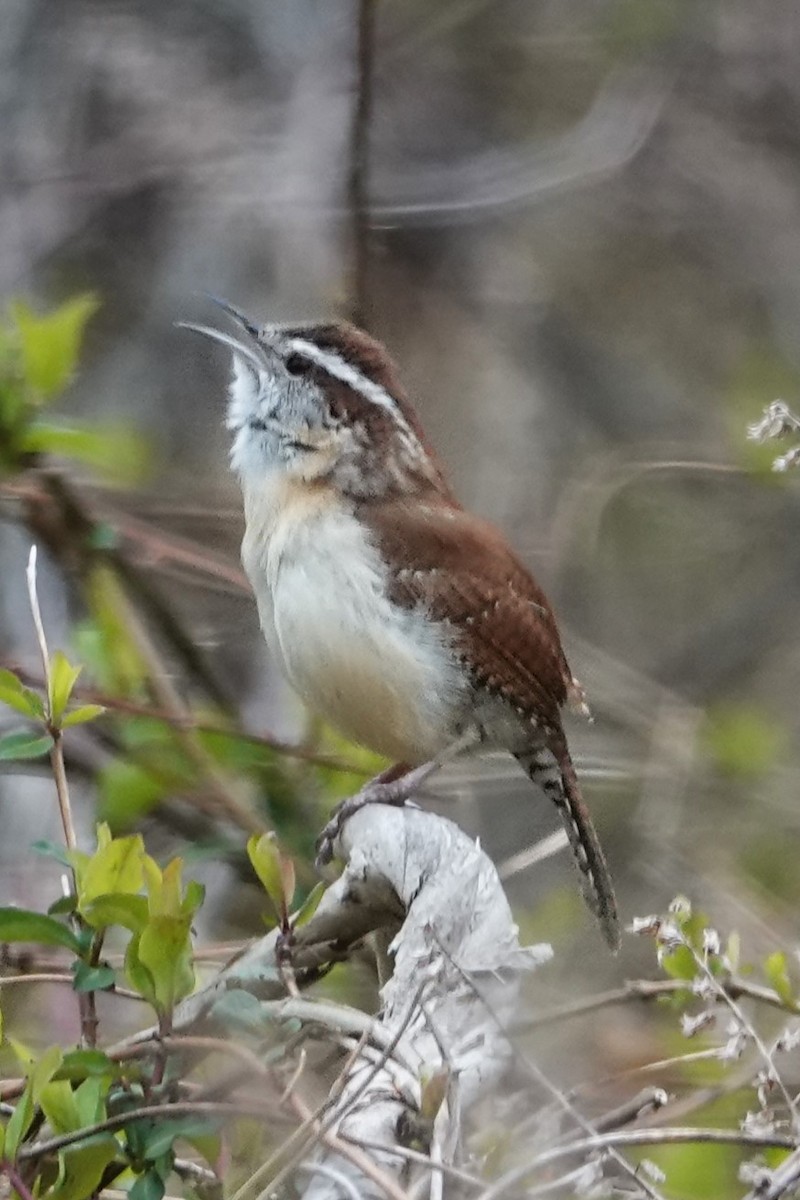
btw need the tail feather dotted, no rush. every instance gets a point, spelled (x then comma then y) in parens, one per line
(554, 773)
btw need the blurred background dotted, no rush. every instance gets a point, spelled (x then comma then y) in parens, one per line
(577, 227)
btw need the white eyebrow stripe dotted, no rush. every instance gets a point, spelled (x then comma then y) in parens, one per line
(337, 366)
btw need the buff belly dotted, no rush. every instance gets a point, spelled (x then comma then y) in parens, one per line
(384, 676)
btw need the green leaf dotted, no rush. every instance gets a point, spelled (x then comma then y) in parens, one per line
(57, 1101)
(17, 696)
(265, 858)
(138, 974)
(117, 451)
(92, 979)
(209, 1146)
(50, 344)
(309, 906)
(434, 1090)
(79, 716)
(80, 1064)
(680, 964)
(117, 909)
(44, 1069)
(18, 746)
(90, 1097)
(777, 973)
(240, 1010)
(22, 925)
(165, 950)
(193, 898)
(82, 1168)
(115, 868)
(52, 850)
(161, 1138)
(149, 1186)
(63, 676)
(19, 1123)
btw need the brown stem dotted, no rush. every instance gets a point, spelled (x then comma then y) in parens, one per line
(358, 182)
(62, 789)
(17, 1182)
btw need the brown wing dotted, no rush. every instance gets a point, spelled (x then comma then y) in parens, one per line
(463, 569)
(466, 573)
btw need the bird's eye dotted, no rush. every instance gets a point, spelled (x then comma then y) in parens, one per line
(296, 364)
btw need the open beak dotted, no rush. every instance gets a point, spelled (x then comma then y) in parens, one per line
(248, 347)
(252, 354)
(237, 314)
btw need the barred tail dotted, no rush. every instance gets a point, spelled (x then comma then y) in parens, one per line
(553, 772)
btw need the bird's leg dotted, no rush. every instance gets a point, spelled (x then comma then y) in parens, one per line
(396, 785)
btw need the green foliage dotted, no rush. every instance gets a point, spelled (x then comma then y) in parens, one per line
(776, 969)
(19, 746)
(22, 699)
(158, 961)
(52, 713)
(121, 906)
(275, 871)
(718, 1014)
(770, 858)
(744, 741)
(702, 1172)
(38, 359)
(49, 346)
(338, 783)
(118, 889)
(309, 906)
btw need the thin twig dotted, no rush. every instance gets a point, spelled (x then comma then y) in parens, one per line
(36, 612)
(296, 1146)
(358, 182)
(87, 1005)
(178, 1043)
(545, 1082)
(783, 1177)
(361, 1161)
(294, 1078)
(62, 789)
(746, 1024)
(650, 989)
(56, 751)
(10, 980)
(90, 695)
(303, 1134)
(181, 1108)
(667, 1136)
(192, 1172)
(415, 1156)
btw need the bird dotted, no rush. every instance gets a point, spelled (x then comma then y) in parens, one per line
(401, 618)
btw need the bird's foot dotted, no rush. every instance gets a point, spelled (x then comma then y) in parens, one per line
(394, 786)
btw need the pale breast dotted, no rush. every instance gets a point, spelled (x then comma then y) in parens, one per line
(383, 675)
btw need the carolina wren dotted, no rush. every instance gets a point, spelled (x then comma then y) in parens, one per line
(403, 620)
